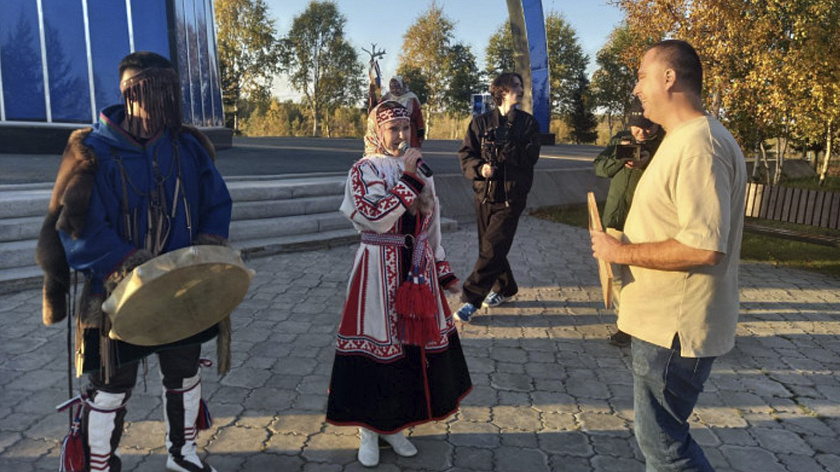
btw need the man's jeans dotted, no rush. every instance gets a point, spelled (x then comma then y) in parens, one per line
(665, 390)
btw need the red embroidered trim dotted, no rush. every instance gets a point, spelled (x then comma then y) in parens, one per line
(376, 209)
(443, 268)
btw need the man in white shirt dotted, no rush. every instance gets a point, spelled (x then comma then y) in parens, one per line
(681, 243)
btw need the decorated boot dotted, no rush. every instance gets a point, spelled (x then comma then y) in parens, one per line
(181, 410)
(104, 417)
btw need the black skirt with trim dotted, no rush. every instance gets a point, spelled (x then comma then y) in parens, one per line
(389, 397)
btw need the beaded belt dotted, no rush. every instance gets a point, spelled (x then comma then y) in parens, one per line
(400, 240)
(376, 239)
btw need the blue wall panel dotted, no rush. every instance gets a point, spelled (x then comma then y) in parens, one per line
(179, 38)
(216, 115)
(151, 29)
(538, 51)
(202, 14)
(189, 36)
(67, 61)
(193, 54)
(109, 44)
(20, 60)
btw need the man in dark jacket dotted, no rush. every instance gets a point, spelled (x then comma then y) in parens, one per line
(498, 154)
(625, 174)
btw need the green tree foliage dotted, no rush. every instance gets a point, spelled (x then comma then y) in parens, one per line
(348, 122)
(413, 77)
(287, 118)
(465, 79)
(770, 66)
(248, 54)
(566, 60)
(277, 119)
(498, 56)
(613, 82)
(427, 49)
(582, 122)
(320, 62)
(566, 63)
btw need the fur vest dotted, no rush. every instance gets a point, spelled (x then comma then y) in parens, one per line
(67, 209)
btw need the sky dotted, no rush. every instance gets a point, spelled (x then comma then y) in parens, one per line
(385, 21)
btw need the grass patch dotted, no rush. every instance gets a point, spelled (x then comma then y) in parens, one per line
(787, 253)
(831, 184)
(572, 215)
(754, 247)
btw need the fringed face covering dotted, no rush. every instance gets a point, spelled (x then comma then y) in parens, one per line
(152, 100)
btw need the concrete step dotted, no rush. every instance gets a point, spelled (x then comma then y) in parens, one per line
(306, 242)
(18, 201)
(15, 254)
(16, 229)
(242, 191)
(29, 277)
(243, 230)
(249, 210)
(270, 214)
(27, 202)
(20, 278)
(298, 242)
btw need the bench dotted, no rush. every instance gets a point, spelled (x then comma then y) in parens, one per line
(815, 208)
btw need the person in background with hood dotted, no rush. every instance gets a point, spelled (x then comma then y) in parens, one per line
(137, 185)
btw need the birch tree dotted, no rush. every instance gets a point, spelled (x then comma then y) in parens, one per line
(248, 53)
(320, 62)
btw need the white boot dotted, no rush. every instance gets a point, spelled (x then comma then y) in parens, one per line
(402, 446)
(103, 423)
(368, 448)
(180, 412)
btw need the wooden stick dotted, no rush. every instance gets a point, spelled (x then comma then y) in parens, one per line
(604, 268)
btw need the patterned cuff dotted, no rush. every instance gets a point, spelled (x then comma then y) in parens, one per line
(445, 276)
(413, 181)
(408, 188)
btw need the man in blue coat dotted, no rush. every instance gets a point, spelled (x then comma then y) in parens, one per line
(137, 185)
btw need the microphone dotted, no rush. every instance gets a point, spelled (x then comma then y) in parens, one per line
(421, 165)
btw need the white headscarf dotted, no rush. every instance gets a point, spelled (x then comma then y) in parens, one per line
(405, 99)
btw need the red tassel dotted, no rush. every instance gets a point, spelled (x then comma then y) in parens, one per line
(402, 300)
(204, 420)
(416, 307)
(72, 449)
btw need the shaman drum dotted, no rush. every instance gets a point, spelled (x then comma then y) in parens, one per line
(177, 295)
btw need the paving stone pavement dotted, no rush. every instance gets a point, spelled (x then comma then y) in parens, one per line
(550, 393)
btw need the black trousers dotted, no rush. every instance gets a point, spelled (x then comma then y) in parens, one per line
(497, 224)
(176, 364)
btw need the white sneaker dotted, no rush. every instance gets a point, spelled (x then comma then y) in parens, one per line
(493, 300)
(188, 463)
(368, 448)
(402, 446)
(465, 313)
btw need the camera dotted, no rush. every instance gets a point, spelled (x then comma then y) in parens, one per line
(498, 135)
(628, 152)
